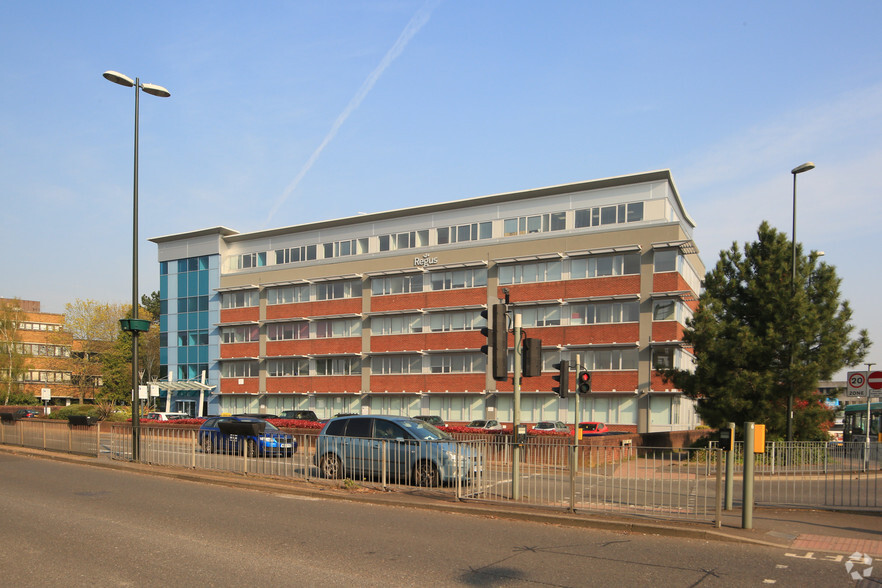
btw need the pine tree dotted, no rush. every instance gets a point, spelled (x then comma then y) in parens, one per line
(759, 336)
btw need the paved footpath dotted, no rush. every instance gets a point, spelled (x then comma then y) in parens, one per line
(811, 531)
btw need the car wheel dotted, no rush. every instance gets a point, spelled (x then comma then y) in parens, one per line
(331, 467)
(251, 448)
(425, 474)
(207, 445)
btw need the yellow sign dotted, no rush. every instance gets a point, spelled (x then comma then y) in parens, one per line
(759, 439)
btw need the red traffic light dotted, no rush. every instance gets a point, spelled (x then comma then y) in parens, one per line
(583, 382)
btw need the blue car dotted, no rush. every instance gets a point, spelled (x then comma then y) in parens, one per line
(407, 449)
(244, 435)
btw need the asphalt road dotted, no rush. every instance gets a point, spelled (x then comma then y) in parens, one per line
(75, 525)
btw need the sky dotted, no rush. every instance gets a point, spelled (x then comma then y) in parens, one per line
(284, 113)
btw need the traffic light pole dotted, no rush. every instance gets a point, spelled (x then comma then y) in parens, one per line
(516, 418)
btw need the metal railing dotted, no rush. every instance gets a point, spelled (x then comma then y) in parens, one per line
(50, 435)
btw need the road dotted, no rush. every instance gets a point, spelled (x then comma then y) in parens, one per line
(76, 525)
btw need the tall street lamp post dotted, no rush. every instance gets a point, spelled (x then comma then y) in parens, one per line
(795, 171)
(135, 325)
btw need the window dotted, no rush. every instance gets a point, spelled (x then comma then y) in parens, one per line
(337, 366)
(457, 363)
(398, 324)
(288, 294)
(238, 369)
(287, 331)
(295, 254)
(410, 240)
(468, 320)
(336, 290)
(462, 233)
(240, 299)
(663, 310)
(609, 215)
(397, 284)
(345, 248)
(545, 271)
(249, 260)
(455, 279)
(396, 364)
(325, 329)
(604, 312)
(296, 366)
(605, 265)
(240, 334)
(663, 358)
(540, 223)
(540, 316)
(610, 359)
(665, 260)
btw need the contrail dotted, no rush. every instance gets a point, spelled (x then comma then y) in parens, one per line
(412, 28)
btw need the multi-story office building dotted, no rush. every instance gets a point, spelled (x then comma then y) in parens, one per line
(381, 312)
(41, 338)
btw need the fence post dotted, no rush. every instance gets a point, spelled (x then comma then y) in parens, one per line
(747, 490)
(719, 515)
(730, 469)
(573, 455)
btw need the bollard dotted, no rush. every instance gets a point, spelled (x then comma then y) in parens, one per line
(730, 471)
(747, 494)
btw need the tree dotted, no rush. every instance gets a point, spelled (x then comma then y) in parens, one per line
(94, 326)
(116, 361)
(14, 359)
(756, 339)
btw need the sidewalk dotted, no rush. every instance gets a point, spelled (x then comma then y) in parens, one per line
(801, 530)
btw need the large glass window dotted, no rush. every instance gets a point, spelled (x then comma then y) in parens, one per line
(609, 215)
(240, 334)
(665, 260)
(238, 369)
(408, 240)
(597, 266)
(462, 233)
(604, 312)
(455, 279)
(544, 271)
(295, 254)
(339, 289)
(239, 299)
(540, 223)
(288, 294)
(337, 366)
(296, 366)
(287, 331)
(345, 248)
(468, 320)
(457, 363)
(540, 316)
(337, 328)
(610, 359)
(396, 364)
(396, 324)
(397, 284)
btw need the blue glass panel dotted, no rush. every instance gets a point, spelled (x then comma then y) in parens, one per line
(163, 307)
(192, 320)
(193, 264)
(182, 305)
(182, 322)
(193, 354)
(182, 285)
(191, 372)
(203, 262)
(203, 303)
(182, 266)
(163, 287)
(163, 268)
(163, 323)
(192, 283)
(203, 283)
(203, 320)
(182, 372)
(163, 355)
(203, 353)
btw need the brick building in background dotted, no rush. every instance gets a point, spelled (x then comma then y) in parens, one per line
(380, 312)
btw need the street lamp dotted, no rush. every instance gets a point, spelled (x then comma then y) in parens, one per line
(795, 171)
(134, 325)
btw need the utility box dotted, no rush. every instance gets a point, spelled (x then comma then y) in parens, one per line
(727, 439)
(759, 439)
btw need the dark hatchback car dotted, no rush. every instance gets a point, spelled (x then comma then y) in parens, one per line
(299, 415)
(26, 413)
(399, 447)
(248, 435)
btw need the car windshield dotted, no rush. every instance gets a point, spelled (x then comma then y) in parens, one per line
(269, 425)
(423, 430)
(477, 423)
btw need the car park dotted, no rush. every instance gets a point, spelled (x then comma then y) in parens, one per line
(432, 419)
(165, 416)
(400, 447)
(27, 413)
(593, 428)
(299, 415)
(487, 425)
(248, 435)
(557, 426)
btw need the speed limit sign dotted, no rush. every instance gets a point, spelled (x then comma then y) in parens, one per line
(857, 382)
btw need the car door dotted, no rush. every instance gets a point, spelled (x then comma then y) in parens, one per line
(357, 446)
(394, 447)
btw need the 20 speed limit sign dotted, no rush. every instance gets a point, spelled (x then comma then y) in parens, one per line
(857, 383)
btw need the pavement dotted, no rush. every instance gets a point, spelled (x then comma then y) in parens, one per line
(807, 531)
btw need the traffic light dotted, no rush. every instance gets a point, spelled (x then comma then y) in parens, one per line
(532, 358)
(497, 340)
(583, 382)
(563, 377)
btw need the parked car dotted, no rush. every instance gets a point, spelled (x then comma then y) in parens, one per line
(593, 428)
(432, 419)
(27, 413)
(410, 449)
(248, 435)
(165, 416)
(299, 415)
(490, 425)
(558, 426)
(257, 415)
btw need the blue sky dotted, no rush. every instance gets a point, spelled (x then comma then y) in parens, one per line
(291, 112)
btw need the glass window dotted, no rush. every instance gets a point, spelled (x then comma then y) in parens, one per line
(665, 260)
